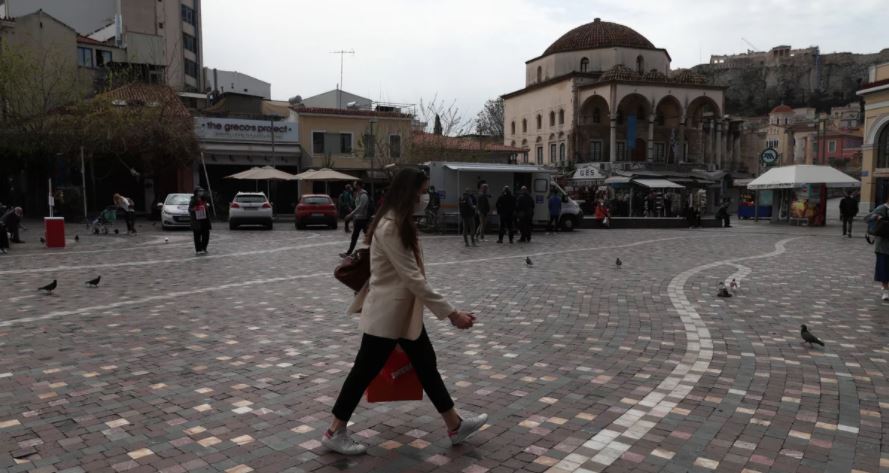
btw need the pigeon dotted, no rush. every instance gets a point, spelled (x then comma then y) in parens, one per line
(723, 291)
(619, 263)
(94, 282)
(734, 284)
(528, 261)
(116, 231)
(49, 287)
(43, 240)
(76, 238)
(808, 337)
(166, 240)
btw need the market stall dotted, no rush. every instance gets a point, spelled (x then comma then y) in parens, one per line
(800, 191)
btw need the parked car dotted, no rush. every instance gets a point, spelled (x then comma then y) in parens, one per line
(174, 211)
(315, 209)
(250, 208)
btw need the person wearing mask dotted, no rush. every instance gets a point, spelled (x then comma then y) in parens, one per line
(12, 223)
(199, 211)
(345, 205)
(468, 211)
(525, 214)
(359, 216)
(390, 306)
(848, 211)
(554, 205)
(506, 211)
(126, 205)
(484, 210)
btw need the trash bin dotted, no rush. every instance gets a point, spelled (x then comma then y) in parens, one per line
(54, 231)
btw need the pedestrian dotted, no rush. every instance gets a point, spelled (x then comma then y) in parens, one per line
(723, 214)
(554, 205)
(881, 247)
(199, 211)
(602, 215)
(525, 214)
(848, 211)
(506, 211)
(391, 313)
(12, 222)
(346, 204)
(432, 208)
(468, 210)
(4, 238)
(484, 209)
(126, 205)
(359, 216)
(668, 204)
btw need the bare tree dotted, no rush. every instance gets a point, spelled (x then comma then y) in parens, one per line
(490, 119)
(452, 121)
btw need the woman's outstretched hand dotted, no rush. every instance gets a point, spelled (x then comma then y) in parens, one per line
(462, 320)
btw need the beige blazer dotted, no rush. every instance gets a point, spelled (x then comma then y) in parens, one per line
(391, 303)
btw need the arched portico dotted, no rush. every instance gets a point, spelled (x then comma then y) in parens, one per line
(593, 129)
(633, 126)
(704, 119)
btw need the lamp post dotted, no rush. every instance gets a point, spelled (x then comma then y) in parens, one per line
(370, 150)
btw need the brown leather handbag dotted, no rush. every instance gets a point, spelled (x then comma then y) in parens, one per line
(354, 270)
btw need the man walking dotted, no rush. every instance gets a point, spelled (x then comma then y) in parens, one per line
(12, 220)
(525, 214)
(468, 210)
(359, 216)
(848, 211)
(432, 209)
(723, 214)
(506, 210)
(555, 211)
(346, 205)
(484, 209)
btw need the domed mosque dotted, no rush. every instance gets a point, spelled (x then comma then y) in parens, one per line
(604, 93)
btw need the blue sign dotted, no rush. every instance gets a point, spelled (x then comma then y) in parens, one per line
(865, 173)
(538, 199)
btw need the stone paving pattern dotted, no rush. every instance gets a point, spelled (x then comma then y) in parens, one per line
(232, 361)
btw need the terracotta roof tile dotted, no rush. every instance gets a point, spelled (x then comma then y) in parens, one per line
(599, 34)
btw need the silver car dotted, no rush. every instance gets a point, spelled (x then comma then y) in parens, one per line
(250, 208)
(174, 211)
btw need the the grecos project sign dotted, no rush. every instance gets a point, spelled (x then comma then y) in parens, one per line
(233, 129)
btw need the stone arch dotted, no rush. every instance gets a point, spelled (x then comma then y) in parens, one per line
(875, 130)
(639, 106)
(592, 136)
(668, 112)
(588, 111)
(634, 104)
(700, 108)
(584, 65)
(881, 148)
(640, 64)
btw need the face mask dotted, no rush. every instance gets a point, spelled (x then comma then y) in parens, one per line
(421, 205)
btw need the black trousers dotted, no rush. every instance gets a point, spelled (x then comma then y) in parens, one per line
(357, 227)
(525, 227)
(507, 225)
(130, 218)
(201, 238)
(553, 224)
(4, 237)
(847, 221)
(372, 357)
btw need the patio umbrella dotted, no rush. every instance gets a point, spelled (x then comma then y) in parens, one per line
(265, 173)
(325, 175)
(789, 177)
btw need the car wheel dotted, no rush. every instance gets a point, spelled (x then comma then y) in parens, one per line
(270, 226)
(332, 225)
(232, 226)
(568, 224)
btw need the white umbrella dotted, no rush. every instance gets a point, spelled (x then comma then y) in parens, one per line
(789, 177)
(324, 174)
(265, 173)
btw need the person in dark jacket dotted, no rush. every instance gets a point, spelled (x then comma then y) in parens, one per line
(525, 214)
(881, 248)
(723, 214)
(506, 211)
(468, 211)
(848, 211)
(199, 211)
(12, 220)
(554, 205)
(484, 210)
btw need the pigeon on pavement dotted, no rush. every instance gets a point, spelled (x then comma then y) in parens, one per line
(723, 291)
(94, 282)
(49, 287)
(528, 261)
(808, 337)
(734, 284)
(619, 263)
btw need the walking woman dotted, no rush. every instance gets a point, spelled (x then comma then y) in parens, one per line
(881, 248)
(198, 210)
(391, 313)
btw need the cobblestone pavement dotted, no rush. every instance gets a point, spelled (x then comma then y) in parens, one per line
(232, 361)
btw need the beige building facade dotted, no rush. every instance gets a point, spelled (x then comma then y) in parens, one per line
(875, 149)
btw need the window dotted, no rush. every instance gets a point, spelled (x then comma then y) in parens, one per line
(395, 146)
(324, 143)
(562, 152)
(190, 43)
(512, 127)
(660, 152)
(524, 125)
(597, 115)
(832, 146)
(345, 143)
(584, 65)
(540, 155)
(317, 142)
(552, 118)
(596, 150)
(539, 122)
(191, 68)
(621, 151)
(561, 117)
(539, 74)
(188, 15)
(84, 57)
(883, 148)
(552, 152)
(640, 65)
(103, 58)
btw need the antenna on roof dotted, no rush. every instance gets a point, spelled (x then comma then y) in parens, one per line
(339, 87)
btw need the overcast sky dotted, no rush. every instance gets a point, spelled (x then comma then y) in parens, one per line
(473, 50)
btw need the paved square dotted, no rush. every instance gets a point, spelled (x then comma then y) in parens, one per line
(232, 361)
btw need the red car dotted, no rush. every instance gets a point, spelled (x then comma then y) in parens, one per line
(316, 209)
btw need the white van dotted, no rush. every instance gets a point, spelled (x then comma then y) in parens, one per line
(451, 178)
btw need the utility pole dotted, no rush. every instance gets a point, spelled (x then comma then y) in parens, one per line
(339, 88)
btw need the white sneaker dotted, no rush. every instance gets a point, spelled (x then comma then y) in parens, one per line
(341, 442)
(886, 295)
(467, 428)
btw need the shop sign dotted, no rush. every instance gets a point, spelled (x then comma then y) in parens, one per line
(769, 156)
(239, 130)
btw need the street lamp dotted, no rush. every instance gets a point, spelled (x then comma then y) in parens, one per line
(370, 151)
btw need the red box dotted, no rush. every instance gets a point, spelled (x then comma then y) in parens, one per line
(54, 231)
(397, 381)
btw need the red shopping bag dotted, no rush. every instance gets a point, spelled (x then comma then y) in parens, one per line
(397, 381)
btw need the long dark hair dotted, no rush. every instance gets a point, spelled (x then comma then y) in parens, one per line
(401, 200)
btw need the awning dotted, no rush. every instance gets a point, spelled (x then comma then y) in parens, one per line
(741, 182)
(788, 177)
(658, 184)
(617, 180)
(488, 167)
